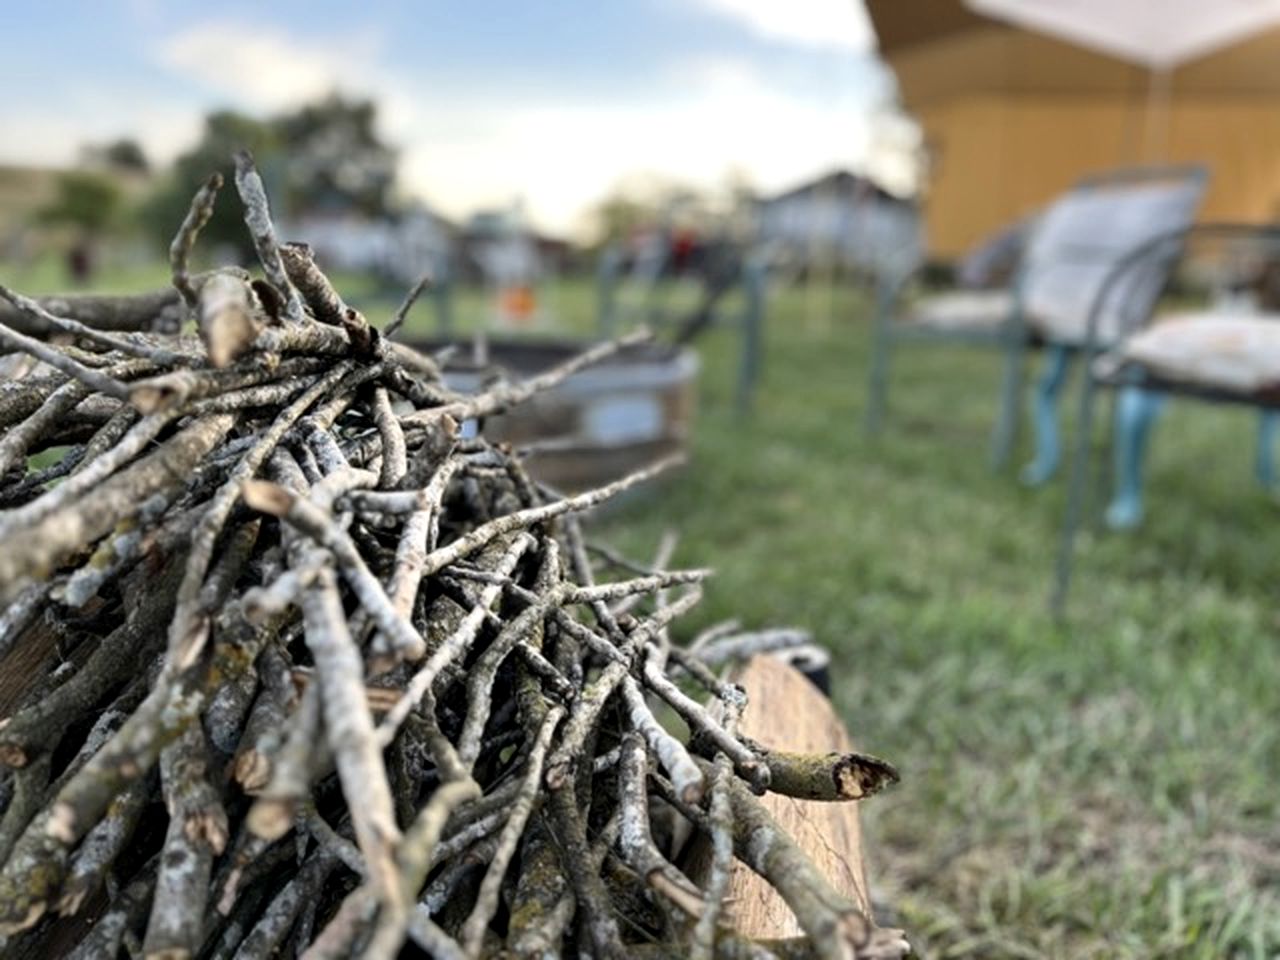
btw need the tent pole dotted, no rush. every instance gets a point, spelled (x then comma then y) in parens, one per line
(1159, 107)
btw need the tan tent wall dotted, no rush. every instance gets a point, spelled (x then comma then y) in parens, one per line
(1012, 118)
(996, 158)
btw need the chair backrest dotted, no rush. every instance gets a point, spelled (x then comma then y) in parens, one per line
(1081, 238)
(993, 262)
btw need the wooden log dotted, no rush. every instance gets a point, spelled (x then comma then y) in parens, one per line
(785, 711)
(29, 660)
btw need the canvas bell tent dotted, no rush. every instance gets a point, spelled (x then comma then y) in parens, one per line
(1013, 111)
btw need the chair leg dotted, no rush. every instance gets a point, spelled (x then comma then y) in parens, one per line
(1009, 420)
(1264, 466)
(1057, 363)
(1136, 413)
(1077, 487)
(881, 355)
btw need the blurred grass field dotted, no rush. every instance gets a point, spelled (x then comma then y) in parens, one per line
(1104, 788)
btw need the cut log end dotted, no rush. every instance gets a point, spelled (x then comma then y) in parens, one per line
(830, 833)
(266, 497)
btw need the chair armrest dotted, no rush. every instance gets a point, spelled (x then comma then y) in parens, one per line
(1188, 242)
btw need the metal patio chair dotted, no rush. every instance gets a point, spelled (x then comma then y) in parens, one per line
(1070, 251)
(728, 269)
(1226, 353)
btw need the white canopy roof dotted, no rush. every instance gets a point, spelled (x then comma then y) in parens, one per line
(1160, 34)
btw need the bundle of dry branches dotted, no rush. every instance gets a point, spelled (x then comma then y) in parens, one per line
(295, 670)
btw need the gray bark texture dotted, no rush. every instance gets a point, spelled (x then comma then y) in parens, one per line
(289, 668)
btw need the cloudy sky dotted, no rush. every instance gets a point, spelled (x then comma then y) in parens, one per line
(552, 101)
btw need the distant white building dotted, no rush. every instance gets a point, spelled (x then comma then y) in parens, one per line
(402, 248)
(843, 217)
(502, 247)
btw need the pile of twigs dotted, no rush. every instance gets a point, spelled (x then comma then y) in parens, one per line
(295, 669)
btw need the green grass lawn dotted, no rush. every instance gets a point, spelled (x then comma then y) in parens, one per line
(1107, 788)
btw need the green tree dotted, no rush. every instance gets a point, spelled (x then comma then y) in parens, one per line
(85, 200)
(225, 132)
(325, 155)
(617, 215)
(645, 200)
(336, 158)
(125, 155)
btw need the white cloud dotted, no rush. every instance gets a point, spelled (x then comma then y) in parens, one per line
(460, 151)
(692, 121)
(562, 156)
(814, 23)
(54, 137)
(263, 68)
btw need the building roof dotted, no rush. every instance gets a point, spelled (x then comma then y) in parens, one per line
(941, 48)
(840, 184)
(899, 25)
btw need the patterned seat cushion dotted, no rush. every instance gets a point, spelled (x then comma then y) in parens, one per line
(960, 311)
(1231, 352)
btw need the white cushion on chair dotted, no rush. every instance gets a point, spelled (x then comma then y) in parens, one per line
(962, 310)
(1074, 253)
(1216, 350)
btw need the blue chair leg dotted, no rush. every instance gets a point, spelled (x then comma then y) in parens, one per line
(1265, 465)
(1136, 412)
(1057, 363)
